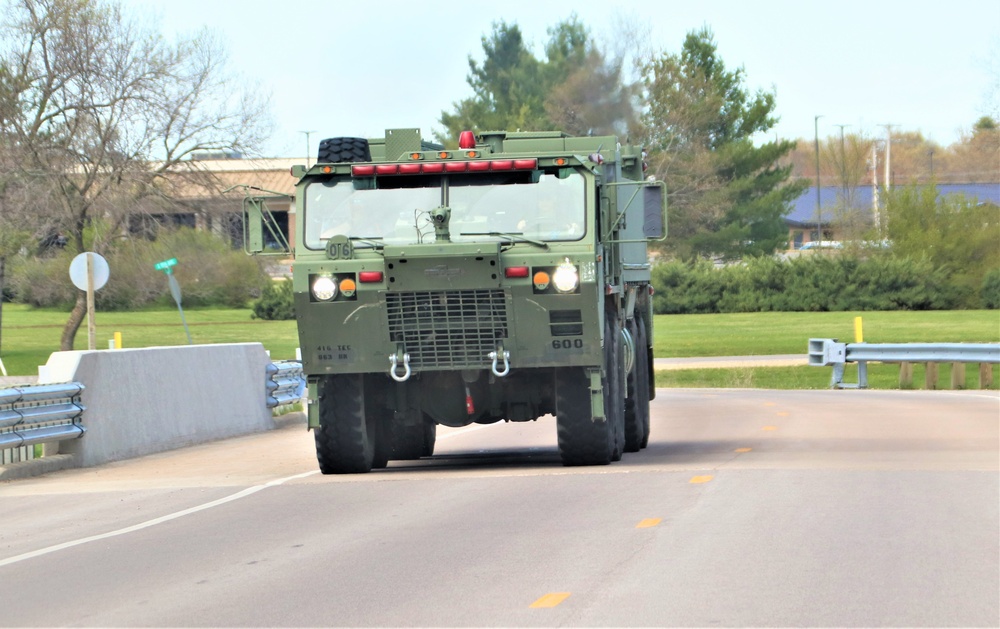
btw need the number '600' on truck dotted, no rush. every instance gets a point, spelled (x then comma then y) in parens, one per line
(503, 280)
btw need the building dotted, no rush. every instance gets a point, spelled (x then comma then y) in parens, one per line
(841, 221)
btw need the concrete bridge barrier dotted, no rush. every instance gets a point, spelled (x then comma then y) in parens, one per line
(141, 401)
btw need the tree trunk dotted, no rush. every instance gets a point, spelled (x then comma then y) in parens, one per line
(73, 324)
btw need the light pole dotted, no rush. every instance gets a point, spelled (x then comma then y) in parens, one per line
(843, 165)
(819, 215)
(308, 149)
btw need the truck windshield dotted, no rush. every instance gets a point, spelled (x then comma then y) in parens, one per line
(549, 206)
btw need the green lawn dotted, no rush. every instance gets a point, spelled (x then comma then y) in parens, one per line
(753, 334)
(30, 335)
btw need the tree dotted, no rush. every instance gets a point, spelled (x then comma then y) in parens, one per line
(576, 88)
(101, 109)
(957, 235)
(728, 196)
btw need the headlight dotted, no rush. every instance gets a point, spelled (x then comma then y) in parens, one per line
(566, 278)
(324, 288)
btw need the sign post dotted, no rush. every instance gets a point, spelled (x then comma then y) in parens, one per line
(89, 272)
(175, 290)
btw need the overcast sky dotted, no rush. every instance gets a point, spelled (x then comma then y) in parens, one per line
(356, 68)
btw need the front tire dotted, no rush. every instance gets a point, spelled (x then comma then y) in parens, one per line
(583, 440)
(345, 439)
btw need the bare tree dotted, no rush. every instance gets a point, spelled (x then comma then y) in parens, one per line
(102, 109)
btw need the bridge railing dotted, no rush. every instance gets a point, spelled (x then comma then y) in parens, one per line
(38, 414)
(830, 353)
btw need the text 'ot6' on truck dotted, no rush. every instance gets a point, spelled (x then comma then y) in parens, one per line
(506, 279)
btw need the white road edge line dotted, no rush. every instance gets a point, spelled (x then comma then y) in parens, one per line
(179, 514)
(148, 523)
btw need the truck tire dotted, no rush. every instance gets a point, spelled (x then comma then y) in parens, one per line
(637, 400)
(407, 442)
(345, 438)
(614, 399)
(582, 439)
(430, 437)
(333, 150)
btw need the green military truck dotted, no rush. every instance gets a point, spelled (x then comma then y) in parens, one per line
(504, 280)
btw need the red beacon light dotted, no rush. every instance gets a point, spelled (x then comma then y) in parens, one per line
(466, 140)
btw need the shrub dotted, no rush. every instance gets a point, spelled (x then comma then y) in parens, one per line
(276, 302)
(814, 283)
(989, 294)
(209, 272)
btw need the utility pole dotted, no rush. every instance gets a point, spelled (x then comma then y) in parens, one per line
(308, 146)
(873, 162)
(819, 214)
(843, 165)
(888, 154)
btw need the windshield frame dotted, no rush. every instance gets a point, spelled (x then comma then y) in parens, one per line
(549, 204)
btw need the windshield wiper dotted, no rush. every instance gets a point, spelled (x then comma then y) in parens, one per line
(374, 241)
(513, 236)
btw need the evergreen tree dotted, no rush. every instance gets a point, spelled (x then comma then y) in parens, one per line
(728, 195)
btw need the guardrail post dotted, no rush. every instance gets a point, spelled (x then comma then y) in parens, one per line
(985, 375)
(958, 376)
(905, 375)
(931, 376)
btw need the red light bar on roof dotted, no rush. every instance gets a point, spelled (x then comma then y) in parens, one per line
(414, 168)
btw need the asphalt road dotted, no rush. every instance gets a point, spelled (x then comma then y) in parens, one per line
(749, 508)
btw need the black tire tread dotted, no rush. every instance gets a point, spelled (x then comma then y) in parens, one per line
(342, 443)
(334, 150)
(582, 440)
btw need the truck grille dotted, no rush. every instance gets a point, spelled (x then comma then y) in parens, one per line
(447, 328)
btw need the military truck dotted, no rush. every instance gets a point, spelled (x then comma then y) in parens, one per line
(504, 280)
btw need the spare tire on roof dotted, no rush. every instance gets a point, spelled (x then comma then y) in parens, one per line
(333, 150)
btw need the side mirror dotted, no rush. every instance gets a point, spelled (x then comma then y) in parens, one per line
(654, 211)
(256, 219)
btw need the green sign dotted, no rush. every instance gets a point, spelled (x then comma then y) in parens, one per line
(165, 265)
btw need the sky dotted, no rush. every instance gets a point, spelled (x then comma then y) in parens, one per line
(356, 68)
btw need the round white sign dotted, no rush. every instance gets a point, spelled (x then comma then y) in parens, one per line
(78, 270)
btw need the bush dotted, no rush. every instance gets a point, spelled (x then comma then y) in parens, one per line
(276, 303)
(209, 272)
(989, 294)
(814, 283)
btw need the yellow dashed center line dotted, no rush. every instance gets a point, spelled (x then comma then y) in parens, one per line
(701, 479)
(551, 599)
(783, 413)
(770, 403)
(769, 428)
(648, 522)
(742, 450)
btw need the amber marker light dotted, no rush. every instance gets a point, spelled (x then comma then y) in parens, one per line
(347, 287)
(541, 280)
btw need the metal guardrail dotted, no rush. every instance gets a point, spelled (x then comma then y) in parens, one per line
(830, 353)
(285, 383)
(38, 414)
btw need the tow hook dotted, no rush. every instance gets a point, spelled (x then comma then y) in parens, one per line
(497, 355)
(394, 362)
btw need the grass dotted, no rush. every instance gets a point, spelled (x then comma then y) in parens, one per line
(30, 335)
(880, 376)
(762, 333)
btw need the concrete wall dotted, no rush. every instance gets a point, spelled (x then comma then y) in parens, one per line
(140, 401)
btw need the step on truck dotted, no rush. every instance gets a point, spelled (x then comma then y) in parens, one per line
(504, 280)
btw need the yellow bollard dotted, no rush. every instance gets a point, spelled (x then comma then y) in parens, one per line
(858, 336)
(118, 340)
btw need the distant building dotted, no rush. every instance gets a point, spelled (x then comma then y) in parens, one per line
(839, 219)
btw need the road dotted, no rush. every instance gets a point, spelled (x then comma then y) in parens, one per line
(749, 507)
